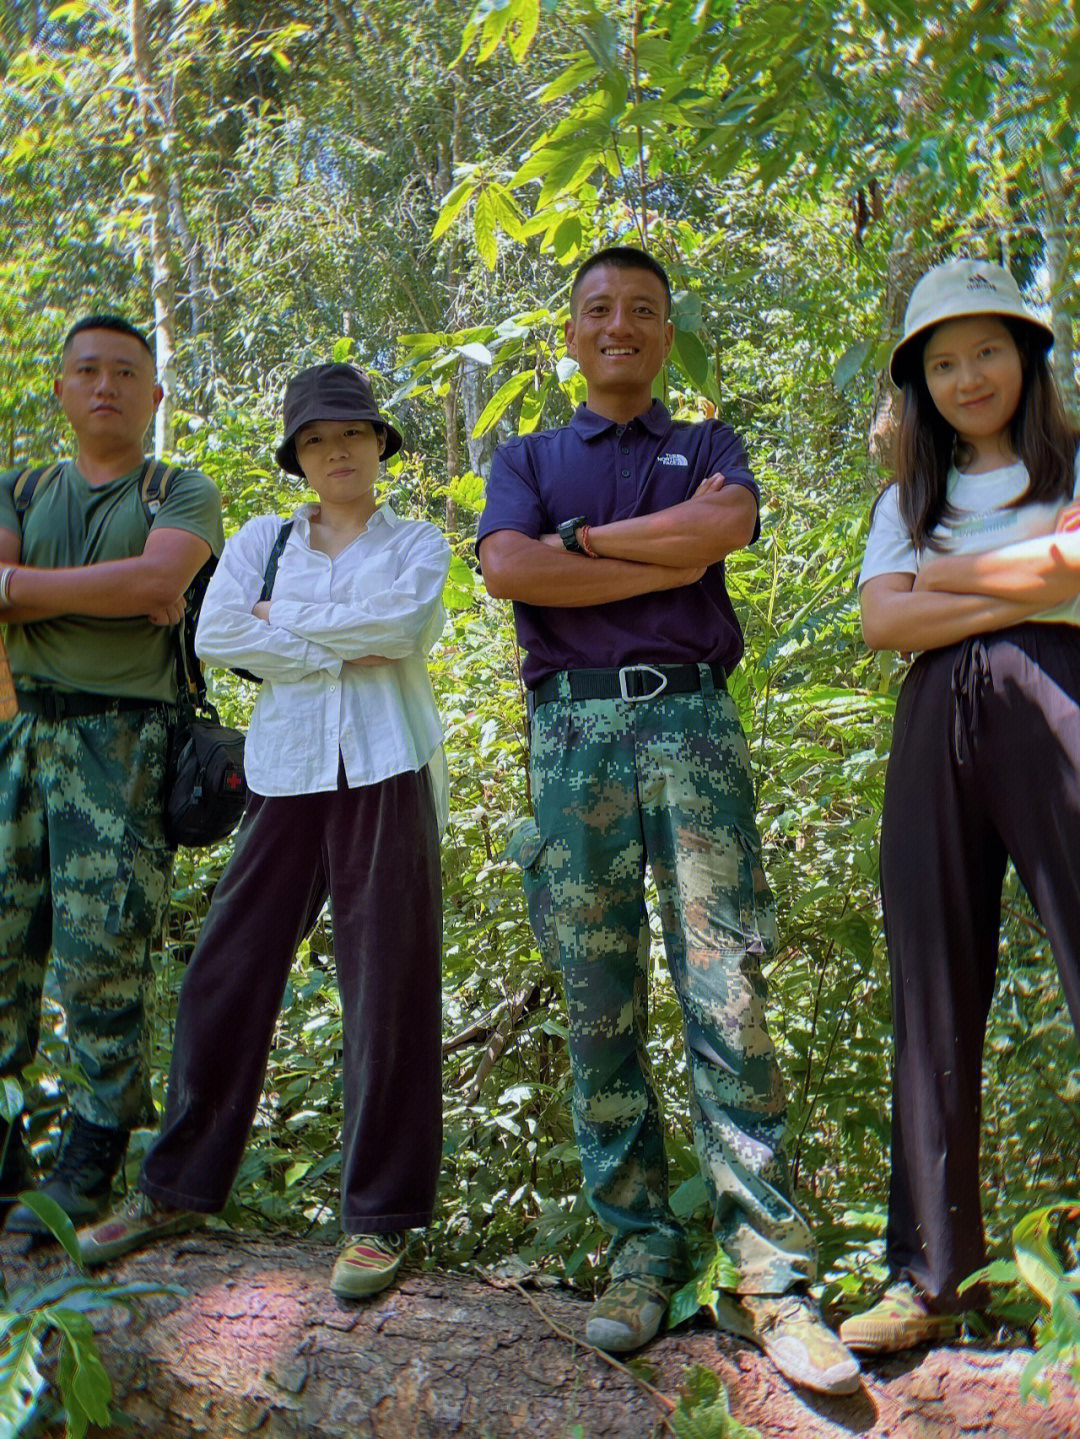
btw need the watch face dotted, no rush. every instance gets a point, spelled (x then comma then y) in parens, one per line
(567, 533)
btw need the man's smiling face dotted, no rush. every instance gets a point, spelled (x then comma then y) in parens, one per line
(620, 335)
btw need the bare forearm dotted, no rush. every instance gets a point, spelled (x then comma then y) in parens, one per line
(114, 588)
(518, 568)
(699, 531)
(923, 620)
(1044, 571)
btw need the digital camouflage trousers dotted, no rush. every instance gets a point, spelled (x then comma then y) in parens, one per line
(84, 874)
(618, 784)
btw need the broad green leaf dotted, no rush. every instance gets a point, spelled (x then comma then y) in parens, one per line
(11, 1098)
(582, 67)
(456, 199)
(692, 358)
(473, 350)
(484, 230)
(58, 1223)
(21, 1381)
(522, 30)
(532, 407)
(90, 1384)
(851, 362)
(501, 400)
(343, 349)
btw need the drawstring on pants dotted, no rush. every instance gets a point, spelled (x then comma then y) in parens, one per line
(971, 671)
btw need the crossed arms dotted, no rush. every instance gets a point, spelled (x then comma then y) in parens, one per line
(661, 551)
(955, 596)
(151, 584)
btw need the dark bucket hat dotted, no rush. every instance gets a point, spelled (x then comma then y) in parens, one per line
(329, 392)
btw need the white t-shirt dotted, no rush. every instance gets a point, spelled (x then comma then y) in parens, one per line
(982, 522)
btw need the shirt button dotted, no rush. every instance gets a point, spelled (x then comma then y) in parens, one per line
(626, 474)
(333, 688)
(625, 449)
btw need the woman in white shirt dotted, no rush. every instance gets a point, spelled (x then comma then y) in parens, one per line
(963, 565)
(345, 763)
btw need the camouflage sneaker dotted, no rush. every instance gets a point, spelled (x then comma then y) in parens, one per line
(628, 1313)
(791, 1331)
(367, 1264)
(899, 1320)
(137, 1222)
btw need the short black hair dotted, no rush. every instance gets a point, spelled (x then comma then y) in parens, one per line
(106, 322)
(621, 257)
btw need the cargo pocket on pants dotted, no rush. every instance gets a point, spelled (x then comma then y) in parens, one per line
(140, 888)
(526, 848)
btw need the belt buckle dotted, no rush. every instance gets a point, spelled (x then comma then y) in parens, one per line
(641, 669)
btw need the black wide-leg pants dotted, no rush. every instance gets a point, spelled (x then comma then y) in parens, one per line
(985, 765)
(375, 851)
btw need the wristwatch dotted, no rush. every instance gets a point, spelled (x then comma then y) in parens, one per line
(567, 532)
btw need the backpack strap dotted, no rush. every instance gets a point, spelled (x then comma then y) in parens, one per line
(156, 478)
(270, 573)
(31, 482)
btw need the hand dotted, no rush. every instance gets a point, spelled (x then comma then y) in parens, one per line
(261, 611)
(168, 614)
(710, 485)
(553, 540)
(1069, 519)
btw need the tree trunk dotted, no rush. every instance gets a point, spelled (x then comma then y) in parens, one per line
(1061, 238)
(259, 1345)
(155, 148)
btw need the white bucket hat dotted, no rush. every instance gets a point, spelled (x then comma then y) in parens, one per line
(955, 289)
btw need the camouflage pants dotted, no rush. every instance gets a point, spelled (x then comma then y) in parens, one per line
(84, 872)
(616, 784)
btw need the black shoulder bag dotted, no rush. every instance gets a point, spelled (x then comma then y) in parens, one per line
(205, 789)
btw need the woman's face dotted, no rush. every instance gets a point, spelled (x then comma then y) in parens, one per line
(340, 458)
(975, 377)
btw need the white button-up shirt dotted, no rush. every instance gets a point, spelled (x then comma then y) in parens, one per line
(381, 595)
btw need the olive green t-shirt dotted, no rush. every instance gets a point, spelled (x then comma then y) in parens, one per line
(70, 523)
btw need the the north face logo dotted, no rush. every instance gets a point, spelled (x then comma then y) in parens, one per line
(680, 460)
(980, 282)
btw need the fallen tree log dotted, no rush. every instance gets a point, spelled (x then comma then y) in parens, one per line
(261, 1346)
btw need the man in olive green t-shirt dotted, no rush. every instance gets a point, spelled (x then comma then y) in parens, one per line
(88, 597)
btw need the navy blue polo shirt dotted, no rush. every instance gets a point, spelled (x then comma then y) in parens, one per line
(605, 471)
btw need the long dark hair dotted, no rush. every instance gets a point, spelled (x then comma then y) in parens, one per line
(927, 445)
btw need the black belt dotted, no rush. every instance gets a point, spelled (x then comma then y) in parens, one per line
(55, 705)
(631, 682)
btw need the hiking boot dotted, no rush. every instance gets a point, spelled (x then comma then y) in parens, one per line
(81, 1179)
(791, 1331)
(899, 1320)
(628, 1313)
(137, 1222)
(367, 1264)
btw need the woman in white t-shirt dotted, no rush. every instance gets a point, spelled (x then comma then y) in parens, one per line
(973, 563)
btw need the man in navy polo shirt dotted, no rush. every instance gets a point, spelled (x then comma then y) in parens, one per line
(609, 535)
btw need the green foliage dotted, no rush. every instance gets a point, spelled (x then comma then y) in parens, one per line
(31, 1314)
(702, 1411)
(382, 185)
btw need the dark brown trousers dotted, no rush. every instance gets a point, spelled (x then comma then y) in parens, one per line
(374, 851)
(985, 765)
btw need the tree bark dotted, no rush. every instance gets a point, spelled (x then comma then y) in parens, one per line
(259, 1345)
(155, 145)
(1061, 238)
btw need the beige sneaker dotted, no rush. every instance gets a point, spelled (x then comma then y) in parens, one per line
(137, 1222)
(367, 1264)
(628, 1313)
(899, 1320)
(791, 1331)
